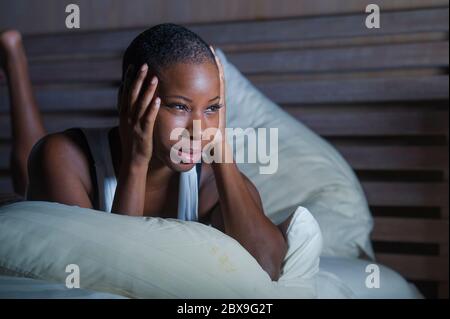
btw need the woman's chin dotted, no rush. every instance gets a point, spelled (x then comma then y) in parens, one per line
(183, 167)
(179, 167)
(183, 162)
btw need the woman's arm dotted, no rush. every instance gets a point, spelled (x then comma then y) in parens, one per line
(244, 219)
(240, 204)
(129, 198)
(138, 109)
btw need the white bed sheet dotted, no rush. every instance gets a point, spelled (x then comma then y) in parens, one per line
(337, 272)
(338, 278)
(27, 288)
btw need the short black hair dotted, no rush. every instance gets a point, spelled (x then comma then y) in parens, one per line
(166, 44)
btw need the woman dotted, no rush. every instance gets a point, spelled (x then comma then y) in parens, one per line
(171, 78)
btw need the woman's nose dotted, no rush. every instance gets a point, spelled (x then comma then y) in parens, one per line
(195, 128)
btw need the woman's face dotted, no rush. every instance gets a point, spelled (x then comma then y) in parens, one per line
(188, 92)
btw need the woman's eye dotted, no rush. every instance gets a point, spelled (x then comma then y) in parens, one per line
(178, 107)
(213, 108)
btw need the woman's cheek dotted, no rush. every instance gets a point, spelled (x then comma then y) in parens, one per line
(168, 124)
(161, 133)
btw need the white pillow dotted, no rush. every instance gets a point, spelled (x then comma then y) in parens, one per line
(149, 257)
(311, 173)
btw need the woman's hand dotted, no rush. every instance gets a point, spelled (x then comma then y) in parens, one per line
(138, 109)
(222, 110)
(220, 140)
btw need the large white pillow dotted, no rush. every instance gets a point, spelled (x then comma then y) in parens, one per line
(145, 257)
(311, 173)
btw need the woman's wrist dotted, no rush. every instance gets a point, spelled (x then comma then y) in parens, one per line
(134, 166)
(224, 154)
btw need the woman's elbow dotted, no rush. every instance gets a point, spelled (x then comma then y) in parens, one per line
(273, 259)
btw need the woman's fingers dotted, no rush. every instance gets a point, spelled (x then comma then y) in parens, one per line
(146, 97)
(222, 110)
(136, 87)
(221, 76)
(150, 114)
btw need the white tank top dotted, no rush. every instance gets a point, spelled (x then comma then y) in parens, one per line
(98, 142)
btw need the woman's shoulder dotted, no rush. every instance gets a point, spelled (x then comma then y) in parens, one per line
(68, 144)
(62, 152)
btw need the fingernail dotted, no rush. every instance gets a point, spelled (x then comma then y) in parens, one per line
(158, 101)
(154, 79)
(144, 67)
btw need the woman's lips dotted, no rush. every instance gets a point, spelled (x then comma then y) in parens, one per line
(192, 157)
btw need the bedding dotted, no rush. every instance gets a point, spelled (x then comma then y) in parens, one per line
(27, 288)
(149, 257)
(122, 256)
(353, 272)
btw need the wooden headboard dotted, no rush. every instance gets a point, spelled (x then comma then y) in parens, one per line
(380, 96)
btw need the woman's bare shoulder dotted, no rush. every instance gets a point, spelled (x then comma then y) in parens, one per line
(63, 153)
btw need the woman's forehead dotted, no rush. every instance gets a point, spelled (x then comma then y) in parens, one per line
(195, 80)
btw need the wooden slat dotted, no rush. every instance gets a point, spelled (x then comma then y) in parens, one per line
(406, 194)
(344, 59)
(59, 122)
(411, 230)
(5, 151)
(415, 267)
(373, 123)
(71, 98)
(76, 70)
(97, 42)
(293, 92)
(43, 15)
(355, 75)
(319, 27)
(323, 43)
(416, 55)
(395, 157)
(6, 185)
(358, 90)
(253, 31)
